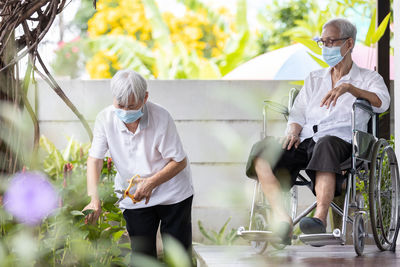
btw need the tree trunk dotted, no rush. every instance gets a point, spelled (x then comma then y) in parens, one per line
(10, 102)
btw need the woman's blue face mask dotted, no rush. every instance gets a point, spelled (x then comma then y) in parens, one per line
(332, 55)
(129, 116)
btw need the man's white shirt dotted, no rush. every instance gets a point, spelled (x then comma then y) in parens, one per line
(335, 120)
(145, 152)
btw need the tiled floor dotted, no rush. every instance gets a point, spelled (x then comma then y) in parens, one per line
(294, 256)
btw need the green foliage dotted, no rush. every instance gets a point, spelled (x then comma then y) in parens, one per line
(70, 57)
(161, 57)
(84, 13)
(220, 238)
(374, 35)
(55, 160)
(174, 253)
(279, 17)
(64, 239)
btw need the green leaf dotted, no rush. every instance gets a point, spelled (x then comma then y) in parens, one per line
(67, 151)
(125, 245)
(241, 16)
(114, 217)
(174, 253)
(208, 70)
(53, 164)
(301, 83)
(160, 31)
(204, 232)
(46, 144)
(319, 61)
(86, 212)
(77, 213)
(310, 44)
(117, 235)
(371, 29)
(223, 228)
(237, 56)
(381, 29)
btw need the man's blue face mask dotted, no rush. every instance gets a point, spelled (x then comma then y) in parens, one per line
(129, 116)
(332, 55)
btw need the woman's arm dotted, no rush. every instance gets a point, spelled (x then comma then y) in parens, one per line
(146, 185)
(94, 167)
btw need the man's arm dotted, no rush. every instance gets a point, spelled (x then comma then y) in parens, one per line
(334, 94)
(94, 167)
(146, 185)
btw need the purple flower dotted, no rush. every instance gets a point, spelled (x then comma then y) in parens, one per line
(30, 198)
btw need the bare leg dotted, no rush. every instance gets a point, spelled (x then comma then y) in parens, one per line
(270, 184)
(325, 183)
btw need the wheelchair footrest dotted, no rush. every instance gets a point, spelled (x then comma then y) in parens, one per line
(334, 238)
(255, 235)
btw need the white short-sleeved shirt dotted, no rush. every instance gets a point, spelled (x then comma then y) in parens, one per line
(336, 120)
(145, 152)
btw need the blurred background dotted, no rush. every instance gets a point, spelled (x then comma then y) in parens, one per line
(185, 39)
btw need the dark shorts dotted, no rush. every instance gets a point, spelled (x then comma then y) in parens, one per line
(329, 154)
(175, 219)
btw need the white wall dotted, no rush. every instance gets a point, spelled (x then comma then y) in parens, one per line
(218, 122)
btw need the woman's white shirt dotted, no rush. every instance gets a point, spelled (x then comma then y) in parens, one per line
(145, 152)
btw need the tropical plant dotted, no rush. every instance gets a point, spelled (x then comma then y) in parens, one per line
(220, 237)
(204, 43)
(64, 238)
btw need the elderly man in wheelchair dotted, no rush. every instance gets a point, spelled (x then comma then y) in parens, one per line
(323, 139)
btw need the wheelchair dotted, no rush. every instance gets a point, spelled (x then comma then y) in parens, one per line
(372, 192)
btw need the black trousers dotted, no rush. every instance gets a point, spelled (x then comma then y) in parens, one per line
(329, 154)
(142, 225)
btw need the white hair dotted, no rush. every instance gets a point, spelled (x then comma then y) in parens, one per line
(345, 27)
(126, 83)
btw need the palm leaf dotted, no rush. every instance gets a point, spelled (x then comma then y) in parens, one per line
(319, 61)
(241, 16)
(371, 29)
(311, 44)
(381, 29)
(234, 58)
(160, 31)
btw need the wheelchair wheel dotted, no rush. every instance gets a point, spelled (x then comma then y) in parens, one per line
(359, 233)
(384, 195)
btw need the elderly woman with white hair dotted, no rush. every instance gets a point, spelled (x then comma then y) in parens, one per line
(318, 135)
(142, 139)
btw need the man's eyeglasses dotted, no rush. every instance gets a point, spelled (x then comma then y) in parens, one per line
(329, 42)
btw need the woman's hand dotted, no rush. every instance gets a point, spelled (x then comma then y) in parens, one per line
(332, 96)
(94, 205)
(290, 140)
(144, 189)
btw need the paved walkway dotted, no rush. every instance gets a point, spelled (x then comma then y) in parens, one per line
(224, 256)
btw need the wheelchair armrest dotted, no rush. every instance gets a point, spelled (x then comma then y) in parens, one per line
(271, 105)
(364, 105)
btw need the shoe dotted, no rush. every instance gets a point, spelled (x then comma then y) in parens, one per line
(284, 231)
(312, 226)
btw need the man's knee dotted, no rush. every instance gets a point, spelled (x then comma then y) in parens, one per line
(261, 164)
